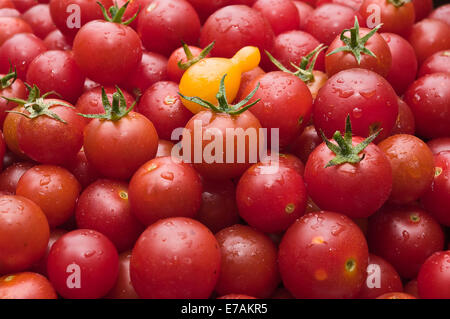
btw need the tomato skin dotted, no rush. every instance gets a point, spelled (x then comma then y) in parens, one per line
(412, 167)
(41, 266)
(346, 60)
(218, 209)
(24, 233)
(55, 40)
(89, 10)
(107, 52)
(84, 172)
(236, 296)
(16, 90)
(428, 37)
(9, 12)
(405, 123)
(11, 175)
(26, 285)
(185, 256)
(53, 188)
(249, 262)
(20, 50)
(404, 66)
(164, 148)
(96, 257)
(356, 190)
(434, 277)
(438, 145)
(411, 288)
(226, 25)
(162, 105)
(389, 280)
(282, 15)
(123, 288)
(6, 4)
(271, 201)
(246, 79)
(429, 99)
(10, 26)
(24, 5)
(422, 8)
(305, 143)
(441, 13)
(438, 62)
(38, 17)
(57, 71)
(103, 206)
(405, 236)
(163, 188)
(49, 141)
(108, 145)
(364, 95)
(174, 72)
(304, 11)
(304, 259)
(436, 200)
(396, 295)
(10, 132)
(162, 25)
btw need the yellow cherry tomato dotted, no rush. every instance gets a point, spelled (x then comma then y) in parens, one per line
(203, 78)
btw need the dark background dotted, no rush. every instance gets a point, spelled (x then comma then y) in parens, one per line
(438, 3)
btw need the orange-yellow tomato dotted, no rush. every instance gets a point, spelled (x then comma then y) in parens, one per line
(203, 78)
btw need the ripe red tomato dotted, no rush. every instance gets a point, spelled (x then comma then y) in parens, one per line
(218, 209)
(282, 14)
(429, 99)
(10, 26)
(441, 13)
(164, 188)
(19, 51)
(24, 233)
(411, 288)
(405, 123)
(53, 188)
(304, 11)
(438, 62)
(236, 296)
(9, 12)
(404, 236)
(55, 40)
(205, 8)
(364, 95)
(164, 148)
(246, 79)
(83, 264)
(304, 259)
(57, 71)
(422, 8)
(396, 295)
(26, 285)
(123, 289)
(24, 5)
(41, 266)
(10, 132)
(82, 169)
(438, 145)
(436, 200)
(434, 277)
(175, 258)
(270, 198)
(11, 175)
(235, 27)
(381, 278)
(6, 4)
(403, 70)
(412, 167)
(40, 20)
(103, 206)
(306, 143)
(10, 87)
(162, 105)
(162, 25)
(249, 262)
(174, 72)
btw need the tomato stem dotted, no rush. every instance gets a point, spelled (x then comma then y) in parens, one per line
(191, 60)
(224, 106)
(9, 78)
(115, 14)
(399, 3)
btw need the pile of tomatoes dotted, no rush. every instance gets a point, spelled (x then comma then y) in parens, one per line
(350, 199)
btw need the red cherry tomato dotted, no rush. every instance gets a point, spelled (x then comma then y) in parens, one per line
(10, 26)
(83, 264)
(282, 14)
(175, 258)
(174, 72)
(26, 285)
(422, 8)
(405, 123)
(304, 11)
(396, 295)
(123, 289)
(9, 12)
(55, 40)
(206, 7)
(304, 259)
(82, 169)
(434, 277)
(411, 288)
(306, 143)
(246, 79)
(439, 145)
(164, 148)
(11, 175)
(41, 266)
(441, 13)
(438, 62)
(40, 20)
(13, 89)
(24, 5)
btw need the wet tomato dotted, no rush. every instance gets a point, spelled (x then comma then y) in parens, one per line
(123, 289)
(26, 285)
(434, 277)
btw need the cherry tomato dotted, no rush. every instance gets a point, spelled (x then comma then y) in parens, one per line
(6, 4)
(304, 259)
(411, 288)
(40, 20)
(404, 236)
(405, 123)
(396, 295)
(10, 26)
(304, 11)
(10, 132)
(441, 13)
(282, 14)
(162, 25)
(26, 285)
(174, 72)
(403, 70)
(439, 145)
(354, 4)
(53, 188)
(246, 79)
(438, 62)
(9, 12)
(41, 266)
(412, 167)
(306, 143)
(249, 262)
(436, 200)
(236, 296)
(103, 206)
(206, 7)
(234, 27)
(164, 148)
(218, 209)
(381, 278)
(123, 289)
(176, 258)
(429, 99)
(434, 277)
(57, 71)
(55, 40)
(11, 175)
(10, 87)
(422, 8)
(164, 188)
(24, 233)
(24, 5)
(83, 264)
(364, 95)
(162, 105)
(271, 198)
(84, 172)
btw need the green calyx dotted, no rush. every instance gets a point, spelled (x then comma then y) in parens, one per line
(345, 151)
(113, 112)
(191, 59)
(37, 105)
(355, 44)
(303, 72)
(8, 79)
(224, 106)
(115, 13)
(399, 3)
